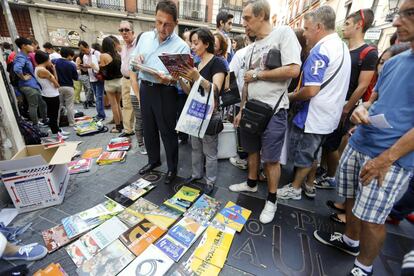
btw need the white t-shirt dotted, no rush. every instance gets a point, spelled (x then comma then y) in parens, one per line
(48, 89)
(54, 55)
(284, 39)
(238, 66)
(325, 108)
(93, 57)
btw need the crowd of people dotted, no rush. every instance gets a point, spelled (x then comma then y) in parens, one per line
(337, 113)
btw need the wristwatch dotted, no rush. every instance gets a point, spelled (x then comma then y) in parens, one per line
(255, 75)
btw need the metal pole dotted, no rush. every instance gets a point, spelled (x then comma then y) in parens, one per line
(10, 21)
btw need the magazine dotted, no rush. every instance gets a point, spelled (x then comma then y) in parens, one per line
(108, 262)
(136, 212)
(215, 246)
(163, 216)
(126, 194)
(183, 199)
(176, 62)
(233, 216)
(186, 231)
(52, 141)
(151, 262)
(51, 270)
(171, 248)
(81, 222)
(203, 209)
(55, 238)
(80, 166)
(92, 153)
(119, 144)
(139, 237)
(90, 244)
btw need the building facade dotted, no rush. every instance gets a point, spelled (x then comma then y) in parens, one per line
(65, 22)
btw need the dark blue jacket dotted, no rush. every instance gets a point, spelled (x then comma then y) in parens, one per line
(66, 71)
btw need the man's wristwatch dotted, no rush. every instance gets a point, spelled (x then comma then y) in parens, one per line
(255, 75)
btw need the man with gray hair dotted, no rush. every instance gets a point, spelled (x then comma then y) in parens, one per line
(325, 79)
(267, 85)
(131, 110)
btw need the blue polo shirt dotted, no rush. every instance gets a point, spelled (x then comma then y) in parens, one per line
(66, 71)
(150, 48)
(395, 88)
(23, 65)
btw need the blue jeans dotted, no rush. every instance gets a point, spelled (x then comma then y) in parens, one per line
(98, 90)
(405, 205)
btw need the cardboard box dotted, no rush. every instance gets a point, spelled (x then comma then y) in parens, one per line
(36, 177)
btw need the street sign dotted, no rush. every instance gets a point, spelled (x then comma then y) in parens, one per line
(373, 34)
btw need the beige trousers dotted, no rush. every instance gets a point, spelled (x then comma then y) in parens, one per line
(128, 115)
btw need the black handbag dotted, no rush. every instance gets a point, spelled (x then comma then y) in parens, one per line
(232, 95)
(273, 59)
(215, 126)
(256, 116)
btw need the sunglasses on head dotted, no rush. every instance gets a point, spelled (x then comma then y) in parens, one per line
(124, 30)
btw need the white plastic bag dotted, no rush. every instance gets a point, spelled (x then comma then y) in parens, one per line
(191, 118)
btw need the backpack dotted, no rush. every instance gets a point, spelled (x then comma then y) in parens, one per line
(30, 133)
(371, 85)
(14, 79)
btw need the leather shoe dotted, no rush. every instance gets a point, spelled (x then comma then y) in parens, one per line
(169, 178)
(124, 134)
(149, 167)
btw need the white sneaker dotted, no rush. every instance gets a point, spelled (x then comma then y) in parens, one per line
(242, 187)
(142, 150)
(239, 163)
(268, 212)
(310, 191)
(65, 133)
(288, 192)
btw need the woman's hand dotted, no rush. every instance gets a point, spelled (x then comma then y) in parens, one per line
(190, 73)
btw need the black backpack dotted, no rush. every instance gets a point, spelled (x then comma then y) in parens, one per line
(14, 79)
(30, 133)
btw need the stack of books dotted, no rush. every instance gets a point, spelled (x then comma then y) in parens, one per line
(118, 144)
(107, 157)
(52, 141)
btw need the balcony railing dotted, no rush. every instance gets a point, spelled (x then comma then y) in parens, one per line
(65, 1)
(192, 10)
(118, 5)
(147, 6)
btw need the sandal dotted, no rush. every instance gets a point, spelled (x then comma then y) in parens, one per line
(115, 130)
(331, 204)
(335, 218)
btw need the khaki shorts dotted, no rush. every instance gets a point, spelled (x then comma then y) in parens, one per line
(113, 86)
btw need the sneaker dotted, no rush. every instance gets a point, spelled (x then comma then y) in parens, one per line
(239, 163)
(408, 264)
(242, 187)
(320, 174)
(357, 271)
(268, 212)
(65, 133)
(335, 240)
(310, 191)
(288, 192)
(142, 150)
(61, 136)
(30, 252)
(326, 183)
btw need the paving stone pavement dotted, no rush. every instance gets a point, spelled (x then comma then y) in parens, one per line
(88, 189)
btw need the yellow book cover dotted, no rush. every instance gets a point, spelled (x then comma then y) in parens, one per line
(201, 268)
(187, 193)
(233, 216)
(163, 216)
(215, 246)
(92, 153)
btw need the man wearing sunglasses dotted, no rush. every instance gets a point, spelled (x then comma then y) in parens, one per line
(378, 160)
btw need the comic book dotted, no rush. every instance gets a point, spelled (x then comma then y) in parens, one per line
(108, 262)
(119, 143)
(176, 62)
(126, 194)
(81, 222)
(80, 166)
(171, 247)
(182, 200)
(51, 270)
(136, 212)
(107, 157)
(91, 243)
(195, 266)
(55, 238)
(92, 153)
(203, 209)
(151, 262)
(215, 245)
(163, 216)
(142, 235)
(186, 231)
(233, 216)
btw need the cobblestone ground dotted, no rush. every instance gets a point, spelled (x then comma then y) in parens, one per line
(88, 189)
